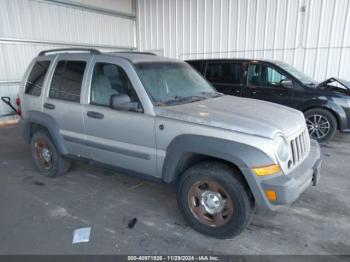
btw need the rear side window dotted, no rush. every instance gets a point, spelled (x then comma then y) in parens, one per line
(36, 78)
(67, 80)
(225, 73)
(196, 65)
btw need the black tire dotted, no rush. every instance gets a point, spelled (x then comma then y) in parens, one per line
(326, 116)
(232, 182)
(55, 164)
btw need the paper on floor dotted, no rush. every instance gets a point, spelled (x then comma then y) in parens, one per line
(81, 235)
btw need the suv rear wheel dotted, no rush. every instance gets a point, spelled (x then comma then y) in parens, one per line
(46, 156)
(214, 200)
(321, 124)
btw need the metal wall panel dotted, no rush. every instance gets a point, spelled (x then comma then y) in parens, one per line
(42, 20)
(29, 26)
(116, 5)
(313, 35)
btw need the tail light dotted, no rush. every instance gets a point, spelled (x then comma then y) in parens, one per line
(18, 103)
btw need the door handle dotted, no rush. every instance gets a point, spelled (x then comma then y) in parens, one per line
(254, 92)
(93, 114)
(49, 106)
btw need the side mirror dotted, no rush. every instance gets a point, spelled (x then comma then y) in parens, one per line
(286, 83)
(123, 102)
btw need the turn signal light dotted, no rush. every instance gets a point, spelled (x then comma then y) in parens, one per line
(271, 195)
(267, 170)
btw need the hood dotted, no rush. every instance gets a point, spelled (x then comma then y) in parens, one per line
(327, 84)
(238, 114)
(330, 80)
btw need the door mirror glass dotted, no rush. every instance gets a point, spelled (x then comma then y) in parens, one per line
(123, 102)
(286, 83)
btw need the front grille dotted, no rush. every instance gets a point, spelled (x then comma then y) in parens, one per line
(300, 147)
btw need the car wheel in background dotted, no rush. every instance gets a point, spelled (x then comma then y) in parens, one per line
(321, 124)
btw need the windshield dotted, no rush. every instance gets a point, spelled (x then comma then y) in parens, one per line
(171, 83)
(305, 79)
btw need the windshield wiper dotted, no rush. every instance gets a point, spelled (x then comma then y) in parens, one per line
(190, 99)
(179, 99)
(211, 94)
(310, 84)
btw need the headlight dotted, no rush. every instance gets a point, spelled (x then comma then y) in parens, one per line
(282, 148)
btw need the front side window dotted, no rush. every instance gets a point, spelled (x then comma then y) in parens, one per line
(36, 78)
(262, 75)
(107, 80)
(225, 73)
(67, 80)
(173, 83)
(305, 79)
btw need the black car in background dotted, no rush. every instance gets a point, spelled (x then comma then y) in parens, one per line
(326, 105)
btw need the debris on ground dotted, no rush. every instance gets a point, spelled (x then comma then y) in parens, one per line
(38, 183)
(81, 235)
(135, 186)
(132, 223)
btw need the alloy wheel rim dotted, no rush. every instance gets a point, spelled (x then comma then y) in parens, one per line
(318, 126)
(210, 203)
(43, 154)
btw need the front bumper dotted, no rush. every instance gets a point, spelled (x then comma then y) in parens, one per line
(289, 187)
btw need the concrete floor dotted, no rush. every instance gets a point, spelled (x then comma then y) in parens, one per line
(38, 215)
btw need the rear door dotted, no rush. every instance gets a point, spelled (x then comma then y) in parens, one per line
(226, 76)
(63, 100)
(264, 83)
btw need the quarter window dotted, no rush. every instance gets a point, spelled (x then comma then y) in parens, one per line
(196, 65)
(261, 75)
(107, 80)
(36, 78)
(225, 73)
(67, 80)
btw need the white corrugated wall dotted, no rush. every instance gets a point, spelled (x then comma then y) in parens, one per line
(29, 26)
(313, 35)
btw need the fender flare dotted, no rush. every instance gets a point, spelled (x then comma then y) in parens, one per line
(45, 120)
(241, 155)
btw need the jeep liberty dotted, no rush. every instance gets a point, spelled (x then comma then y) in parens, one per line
(155, 117)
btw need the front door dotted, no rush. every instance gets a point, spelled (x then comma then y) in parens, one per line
(227, 77)
(264, 83)
(125, 139)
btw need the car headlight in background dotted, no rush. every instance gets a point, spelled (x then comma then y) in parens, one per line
(282, 148)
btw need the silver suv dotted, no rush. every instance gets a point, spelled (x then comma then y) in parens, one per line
(156, 117)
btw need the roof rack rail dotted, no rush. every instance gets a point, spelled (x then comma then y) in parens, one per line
(134, 52)
(90, 50)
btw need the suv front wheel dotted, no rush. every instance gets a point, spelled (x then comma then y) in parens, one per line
(214, 199)
(46, 156)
